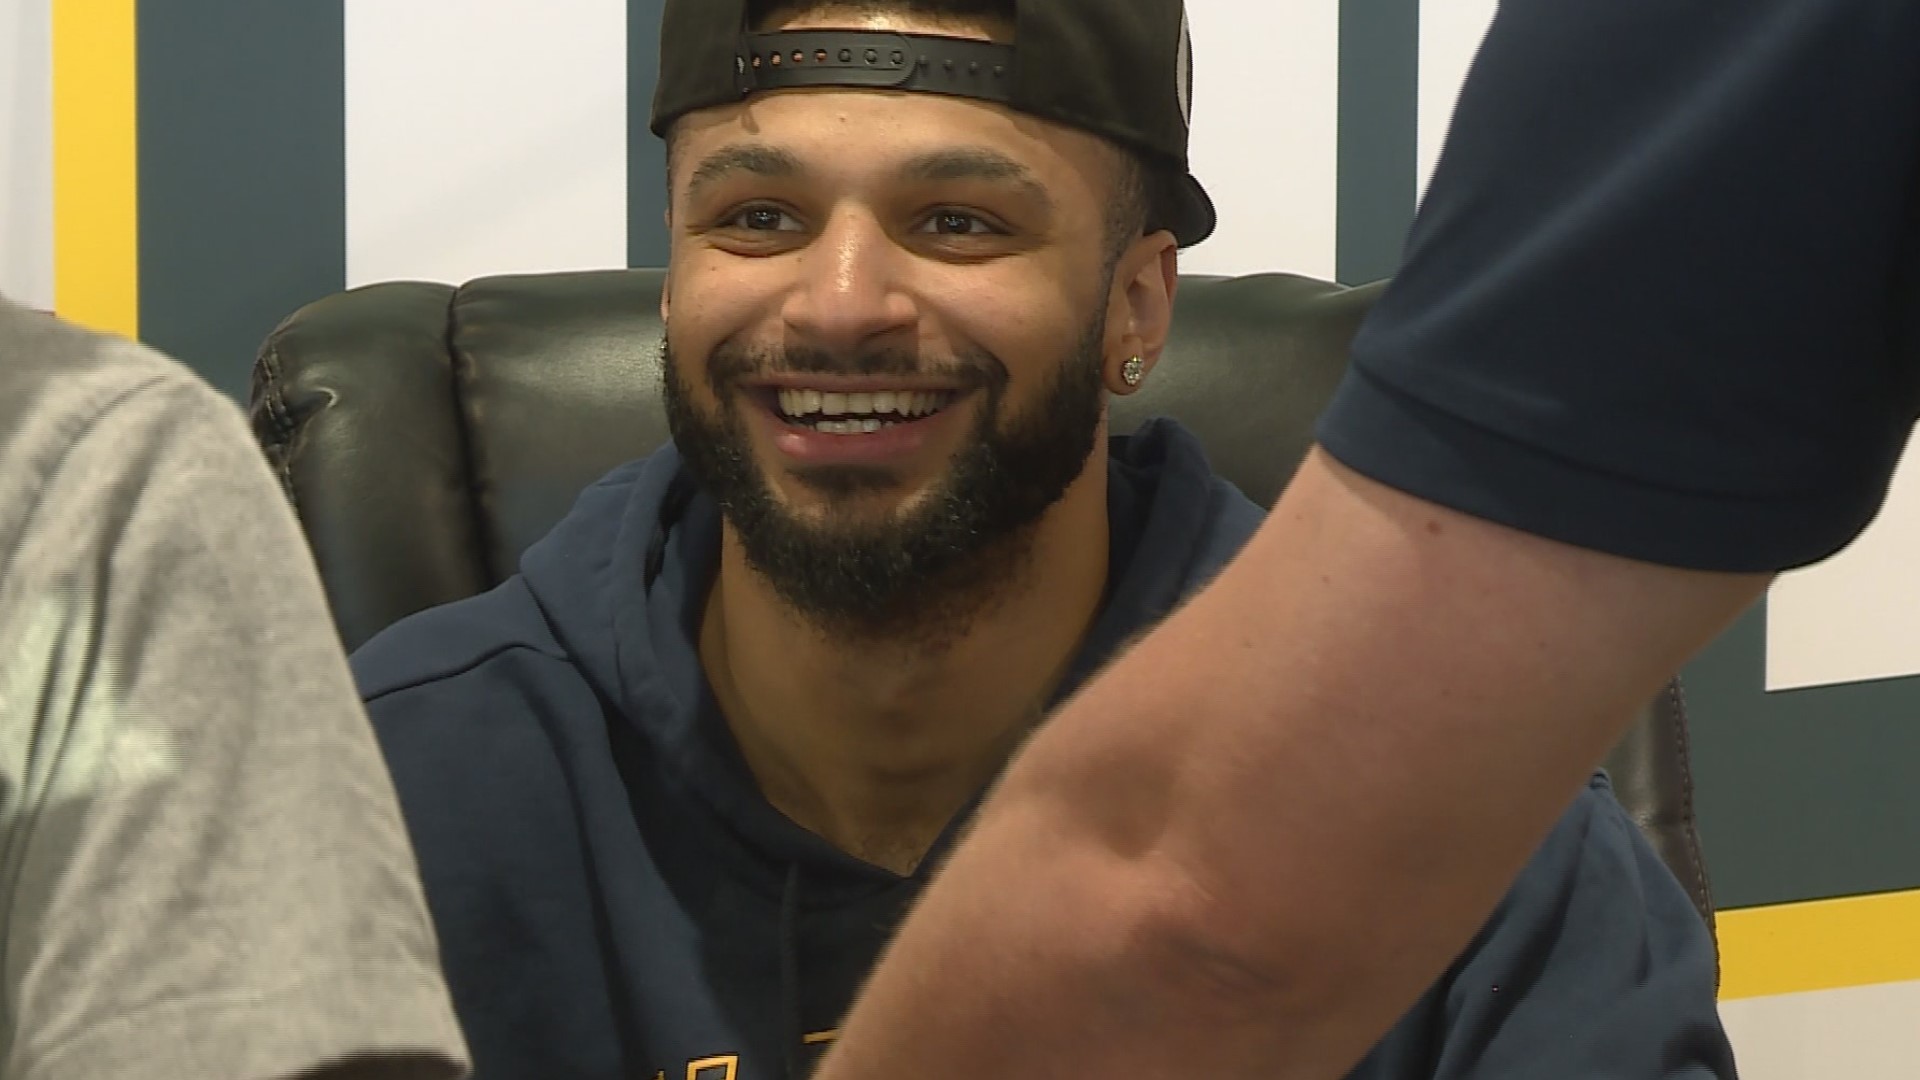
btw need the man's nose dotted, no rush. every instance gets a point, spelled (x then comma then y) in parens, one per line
(851, 292)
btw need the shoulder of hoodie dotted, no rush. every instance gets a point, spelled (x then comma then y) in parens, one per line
(1596, 846)
(443, 647)
(1232, 517)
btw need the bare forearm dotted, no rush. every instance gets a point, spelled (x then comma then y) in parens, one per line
(1248, 848)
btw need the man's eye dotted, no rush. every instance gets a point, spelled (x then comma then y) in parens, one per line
(763, 219)
(954, 223)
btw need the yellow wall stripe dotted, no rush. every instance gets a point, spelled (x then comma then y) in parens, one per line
(1819, 945)
(96, 239)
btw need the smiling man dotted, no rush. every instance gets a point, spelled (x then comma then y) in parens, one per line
(674, 784)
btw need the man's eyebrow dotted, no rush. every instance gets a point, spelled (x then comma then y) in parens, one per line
(755, 158)
(976, 163)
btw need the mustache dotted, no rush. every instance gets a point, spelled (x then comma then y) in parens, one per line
(731, 363)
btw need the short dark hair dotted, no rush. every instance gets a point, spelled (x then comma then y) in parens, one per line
(1142, 187)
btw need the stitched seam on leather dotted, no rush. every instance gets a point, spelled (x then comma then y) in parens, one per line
(469, 440)
(281, 419)
(1682, 746)
(1683, 754)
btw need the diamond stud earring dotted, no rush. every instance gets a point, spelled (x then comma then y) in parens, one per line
(1134, 371)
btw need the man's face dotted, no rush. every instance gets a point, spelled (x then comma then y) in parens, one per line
(886, 328)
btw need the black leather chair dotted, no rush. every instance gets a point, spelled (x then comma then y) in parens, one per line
(429, 434)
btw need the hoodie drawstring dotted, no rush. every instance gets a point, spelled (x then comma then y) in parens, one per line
(790, 971)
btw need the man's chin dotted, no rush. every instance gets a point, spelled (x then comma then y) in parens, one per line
(854, 516)
(845, 492)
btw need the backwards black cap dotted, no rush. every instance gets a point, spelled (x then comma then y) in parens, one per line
(1121, 70)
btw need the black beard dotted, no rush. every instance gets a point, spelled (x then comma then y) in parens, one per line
(920, 578)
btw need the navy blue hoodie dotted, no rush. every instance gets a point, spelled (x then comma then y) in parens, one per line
(615, 898)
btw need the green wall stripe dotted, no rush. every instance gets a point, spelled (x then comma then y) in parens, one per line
(1803, 794)
(242, 173)
(646, 155)
(1378, 164)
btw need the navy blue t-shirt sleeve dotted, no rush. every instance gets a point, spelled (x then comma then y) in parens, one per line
(1660, 299)
(1596, 964)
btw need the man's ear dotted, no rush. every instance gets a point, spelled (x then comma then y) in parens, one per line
(1145, 281)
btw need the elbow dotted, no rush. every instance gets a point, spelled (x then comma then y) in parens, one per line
(1165, 916)
(1220, 984)
(1152, 926)
(1229, 960)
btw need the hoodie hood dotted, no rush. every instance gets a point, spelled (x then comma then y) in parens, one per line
(782, 917)
(623, 580)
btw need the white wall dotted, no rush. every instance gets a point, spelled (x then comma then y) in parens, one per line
(1857, 615)
(1266, 133)
(26, 152)
(1860, 1031)
(1266, 123)
(1450, 34)
(485, 137)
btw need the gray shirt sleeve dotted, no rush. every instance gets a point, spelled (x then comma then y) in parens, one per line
(203, 867)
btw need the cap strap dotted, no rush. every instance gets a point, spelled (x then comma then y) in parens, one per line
(869, 58)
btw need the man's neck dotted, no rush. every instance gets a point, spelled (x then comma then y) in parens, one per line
(873, 746)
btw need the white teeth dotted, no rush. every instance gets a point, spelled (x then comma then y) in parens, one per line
(875, 403)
